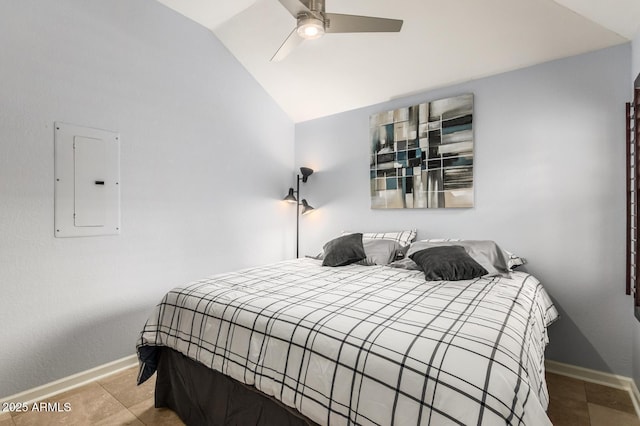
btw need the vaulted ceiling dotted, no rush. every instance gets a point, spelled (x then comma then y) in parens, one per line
(441, 43)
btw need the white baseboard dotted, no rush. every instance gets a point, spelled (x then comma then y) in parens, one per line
(599, 377)
(76, 380)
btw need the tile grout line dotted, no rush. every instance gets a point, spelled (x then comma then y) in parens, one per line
(110, 394)
(125, 407)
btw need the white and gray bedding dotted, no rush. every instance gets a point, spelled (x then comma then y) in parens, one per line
(368, 345)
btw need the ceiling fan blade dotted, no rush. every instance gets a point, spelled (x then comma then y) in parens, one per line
(295, 6)
(339, 23)
(293, 41)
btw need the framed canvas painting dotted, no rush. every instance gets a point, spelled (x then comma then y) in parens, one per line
(422, 155)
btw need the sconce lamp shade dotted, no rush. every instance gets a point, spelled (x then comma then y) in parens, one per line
(306, 172)
(290, 197)
(306, 208)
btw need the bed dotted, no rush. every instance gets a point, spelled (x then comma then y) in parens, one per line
(297, 342)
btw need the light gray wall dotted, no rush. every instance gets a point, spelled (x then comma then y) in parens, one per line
(635, 55)
(635, 70)
(206, 157)
(549, 186)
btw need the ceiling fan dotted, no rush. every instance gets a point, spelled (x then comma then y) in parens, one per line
(313, 23)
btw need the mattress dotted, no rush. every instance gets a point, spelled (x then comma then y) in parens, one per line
(369, 345)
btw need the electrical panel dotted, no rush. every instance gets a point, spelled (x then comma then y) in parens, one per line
(87, 181)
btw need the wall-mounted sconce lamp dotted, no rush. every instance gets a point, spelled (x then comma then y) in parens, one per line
(294, 197)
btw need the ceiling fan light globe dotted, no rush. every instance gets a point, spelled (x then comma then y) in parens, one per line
(310, 28)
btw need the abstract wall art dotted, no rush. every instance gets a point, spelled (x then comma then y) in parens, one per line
(422, 155)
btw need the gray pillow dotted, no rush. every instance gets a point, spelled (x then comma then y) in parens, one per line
(380, 252)
(447, 263)
(343, 250)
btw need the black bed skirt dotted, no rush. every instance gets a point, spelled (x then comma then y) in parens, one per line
(201, 396)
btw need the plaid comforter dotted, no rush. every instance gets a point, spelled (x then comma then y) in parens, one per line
(369, 345)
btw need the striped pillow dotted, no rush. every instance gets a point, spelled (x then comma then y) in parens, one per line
(404, 238)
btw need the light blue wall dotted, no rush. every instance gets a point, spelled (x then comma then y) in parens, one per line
(549, 186)
(206, 156)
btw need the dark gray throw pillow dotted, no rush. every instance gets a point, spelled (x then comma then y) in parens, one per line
(447, 263)
(343, 250)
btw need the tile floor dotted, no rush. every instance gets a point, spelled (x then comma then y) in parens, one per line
(116, 400)
(575, 402)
